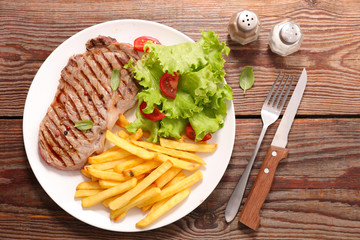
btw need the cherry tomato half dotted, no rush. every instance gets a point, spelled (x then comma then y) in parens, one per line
(140, 42)
(154, 116)
(169, 83)
(190, 133)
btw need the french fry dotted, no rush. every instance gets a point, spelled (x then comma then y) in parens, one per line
(156, 205)
(141, 168)
(124, 144)
(166, 177)
(131, 174)
(106, 175)
(109, 156)
(169, 151)
(153, 216)
(192, 147)
(85, 173)
(178, 163)
(128, 164)
(169, 191)
(88, 185)
(108, 184)
(123, 134)
(97, 198)
(122, 121)
(124, 199)
(144, 196)
(107, 165)
(175, 180)
(122, 214)
(137, 135)
(86, 192)
(108, 200)
(144, 209)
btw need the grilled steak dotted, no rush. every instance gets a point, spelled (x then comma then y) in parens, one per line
(84, 93)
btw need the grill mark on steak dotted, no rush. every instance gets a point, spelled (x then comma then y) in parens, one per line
(87, 72)
(97, 72)
(100, 66)
(84, 103)
(125, 48)
(57, 111)
(70, 111)
(114, 64)
(107, 61)
(54, 156)
(60, 149)
(60, 126)
(70, 142)
(81, 87)
(87, 84)
(76, 98)
(65, 142)
(118, 60)
(92, 106)
(122, 58)
(87, 80)
(84, 92)
(70, 105)
(55, 146)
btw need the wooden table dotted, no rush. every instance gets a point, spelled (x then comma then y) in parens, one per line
(316, 191)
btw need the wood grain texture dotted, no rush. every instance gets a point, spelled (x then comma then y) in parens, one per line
(316, 189)
(330, 51)
(315, 193)
(249, 214)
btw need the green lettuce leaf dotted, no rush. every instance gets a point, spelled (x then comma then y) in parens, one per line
(201, 90)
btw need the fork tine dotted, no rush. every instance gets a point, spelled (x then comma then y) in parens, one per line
(286, 94)
(272, 89)
(277, 90)
(282, 91)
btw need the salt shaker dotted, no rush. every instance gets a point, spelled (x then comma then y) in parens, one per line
(285, 38)
(244, 27)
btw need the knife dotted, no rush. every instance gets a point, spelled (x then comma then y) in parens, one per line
(250, 212)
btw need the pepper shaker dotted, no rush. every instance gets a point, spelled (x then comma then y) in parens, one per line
(285, 38)
(244, 27)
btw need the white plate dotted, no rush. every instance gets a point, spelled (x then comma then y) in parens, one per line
(60, 185)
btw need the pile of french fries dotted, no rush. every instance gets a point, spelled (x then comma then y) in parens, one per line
(136, 173)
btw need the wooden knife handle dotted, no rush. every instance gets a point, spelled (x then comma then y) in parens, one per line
(250, 212)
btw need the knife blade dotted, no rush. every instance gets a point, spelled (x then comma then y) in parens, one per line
(281, 135)
(250, 212)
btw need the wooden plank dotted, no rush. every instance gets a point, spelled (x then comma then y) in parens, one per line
(315, 194)
(32, 30)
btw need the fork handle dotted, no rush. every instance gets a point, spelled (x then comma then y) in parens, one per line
(250, 212)
(234, 202)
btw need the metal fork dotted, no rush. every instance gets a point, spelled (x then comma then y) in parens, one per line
(270, 112)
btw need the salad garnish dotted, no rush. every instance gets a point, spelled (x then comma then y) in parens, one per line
(246, 80)
(201, 91)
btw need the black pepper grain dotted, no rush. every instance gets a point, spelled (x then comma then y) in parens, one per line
(65, 133)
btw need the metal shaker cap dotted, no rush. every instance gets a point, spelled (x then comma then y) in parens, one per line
(285, 38)
(247, 20)
(290, 33)
(244, 27)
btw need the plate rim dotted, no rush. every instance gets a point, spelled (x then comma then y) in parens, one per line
(230, 108)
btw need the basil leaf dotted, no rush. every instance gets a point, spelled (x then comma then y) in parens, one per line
(84, 125)
(115, 79)
(246, 79)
